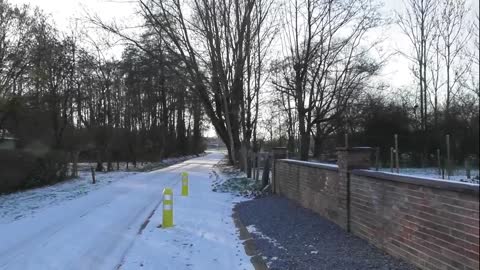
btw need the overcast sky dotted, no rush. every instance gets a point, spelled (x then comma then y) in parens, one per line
(396, 73)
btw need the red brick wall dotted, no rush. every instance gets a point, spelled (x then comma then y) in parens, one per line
(430, 227)
(429, 223)
(316, 188)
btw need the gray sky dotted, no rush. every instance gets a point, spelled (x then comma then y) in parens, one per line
(396, 72)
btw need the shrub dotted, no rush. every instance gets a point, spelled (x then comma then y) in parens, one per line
(21, 169)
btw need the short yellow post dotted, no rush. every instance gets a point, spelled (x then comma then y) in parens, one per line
(185, 184)
(167, 208)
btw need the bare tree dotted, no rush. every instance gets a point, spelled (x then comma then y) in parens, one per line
(418, 23)
(214, 43)
(325, 62)
(15, 37)
(454, 37)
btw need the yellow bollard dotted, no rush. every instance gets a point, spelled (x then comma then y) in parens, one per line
(184, 184)
(167, 208)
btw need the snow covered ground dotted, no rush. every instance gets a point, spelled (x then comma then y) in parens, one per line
(26, 203)
(141, 166)
(114, 224)
(458, 175)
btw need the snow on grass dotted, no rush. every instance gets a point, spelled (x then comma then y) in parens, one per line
(433, 173)
(116, 227)
(141, 166)
(17, 205)
(203, 237)
(240, 186)
(228, 179)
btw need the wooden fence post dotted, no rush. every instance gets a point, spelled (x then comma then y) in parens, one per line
(397, 161)
(439, 162)
(266, 172)
(93, 174)
(391, 159)
(467, 167)
(448, 156)
(74, 172)
(257, 173)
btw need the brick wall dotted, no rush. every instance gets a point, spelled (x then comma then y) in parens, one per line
(314, 186)
(430, 226)
(430, 223)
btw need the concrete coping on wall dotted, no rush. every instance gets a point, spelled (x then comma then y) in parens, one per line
(325, 166)
(355, 149)
(422, 181)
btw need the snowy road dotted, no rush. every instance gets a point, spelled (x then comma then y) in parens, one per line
(115, 227)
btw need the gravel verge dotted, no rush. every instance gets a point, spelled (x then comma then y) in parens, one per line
(289, 236)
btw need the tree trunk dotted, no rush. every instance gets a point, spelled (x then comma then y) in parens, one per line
(74, 164)
(304, 145)
(317, 147)
(99, 167)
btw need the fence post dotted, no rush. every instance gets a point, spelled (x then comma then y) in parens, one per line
(391, 159)
(448, 156)
(397, 161)
(257, 173)
(266, 174)
(277, 153)
(74, 172)
(377, 157)
(439, 163)
(348, 159)
(253, 165)
(93, 174)
(467, 167)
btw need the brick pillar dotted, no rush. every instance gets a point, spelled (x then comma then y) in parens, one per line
(277, 153)
(347, 160)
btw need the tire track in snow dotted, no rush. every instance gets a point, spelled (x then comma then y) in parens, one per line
(147, 220)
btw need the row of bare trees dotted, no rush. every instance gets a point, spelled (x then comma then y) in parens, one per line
(222, 46)
(326, 83)
(309, 66)
(443, 55)
(322, 58)
(444, 62)
(325, 65)
(62, 96)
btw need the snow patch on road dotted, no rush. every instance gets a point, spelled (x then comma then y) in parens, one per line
(253, 230)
